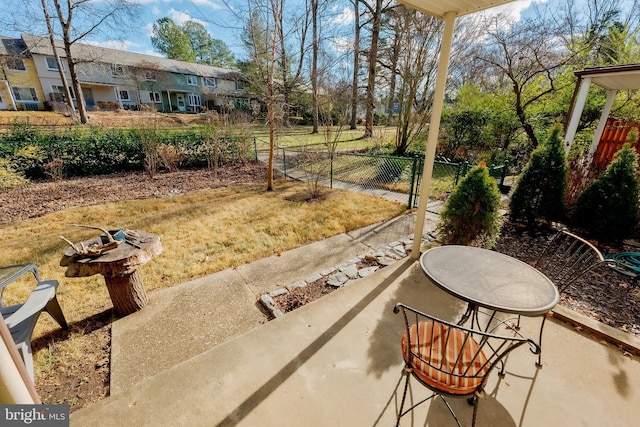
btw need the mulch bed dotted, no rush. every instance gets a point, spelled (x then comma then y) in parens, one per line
(603, 294)
(39, 198)
(297, 297)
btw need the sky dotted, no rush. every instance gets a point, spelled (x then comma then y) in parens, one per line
(216, 17)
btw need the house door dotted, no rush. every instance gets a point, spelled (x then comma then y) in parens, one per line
(87, 93)
(3, 106)
(182, 106)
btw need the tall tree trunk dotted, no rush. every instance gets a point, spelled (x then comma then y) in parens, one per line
(371, 77)
(522, 116)
(394, 71)
(356, 67)
(66, 39)
(314, 64)
(271, 90)
(287, 84)
(63, 76)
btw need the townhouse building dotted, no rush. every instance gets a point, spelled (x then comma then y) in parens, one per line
(20, 88)
(115, 79)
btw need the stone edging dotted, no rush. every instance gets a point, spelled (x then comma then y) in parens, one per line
(348, 272)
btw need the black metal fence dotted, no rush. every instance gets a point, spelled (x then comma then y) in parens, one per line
(372, 172)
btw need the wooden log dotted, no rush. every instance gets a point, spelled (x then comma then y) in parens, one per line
(126, 291)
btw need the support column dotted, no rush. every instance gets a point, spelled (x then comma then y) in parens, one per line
(434, 127)
(577, 113)
(603, 121)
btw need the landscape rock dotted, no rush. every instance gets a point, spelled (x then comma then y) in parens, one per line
(313, 278)
(337, 279)
(364, 272)
(385, 260)
(351, 271)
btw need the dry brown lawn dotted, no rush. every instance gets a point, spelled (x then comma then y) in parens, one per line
(201, 231)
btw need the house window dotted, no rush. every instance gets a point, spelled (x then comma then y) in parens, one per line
(241, 103)
(15, 64)
(25, 94)
(211, 82)
(52, 65)
(122, 95)
(59, 90)
(192, 80)
(117, 70)
(155, 97)
(194, 100)
(150, 76)
(239, 85)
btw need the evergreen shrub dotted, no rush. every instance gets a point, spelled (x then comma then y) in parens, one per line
(470, 216)
(539, 193)
(607, 209)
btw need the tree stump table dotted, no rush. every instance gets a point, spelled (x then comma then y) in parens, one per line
(119, 266)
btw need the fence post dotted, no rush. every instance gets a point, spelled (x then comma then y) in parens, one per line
(413, 180)
(331, 169)
(458, 172)
(255, 147)
(284, 163)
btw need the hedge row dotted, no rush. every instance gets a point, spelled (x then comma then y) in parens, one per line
(104, 151)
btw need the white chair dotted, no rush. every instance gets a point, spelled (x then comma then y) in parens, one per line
(21, 319)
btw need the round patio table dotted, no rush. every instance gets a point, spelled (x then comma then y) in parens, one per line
(490, 279)
(119, 266)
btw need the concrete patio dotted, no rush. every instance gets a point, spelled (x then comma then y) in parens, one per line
(337, 362)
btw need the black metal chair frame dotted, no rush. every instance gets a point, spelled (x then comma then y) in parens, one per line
(487, 349)
(566, 258)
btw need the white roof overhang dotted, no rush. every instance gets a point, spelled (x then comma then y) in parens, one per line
(439, 8)
(618, 77)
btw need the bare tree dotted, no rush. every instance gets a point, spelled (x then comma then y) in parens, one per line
(392, 64)
(375, 11)
(419, 37)
(63, 76)
(292, 49)
(261, 38)
(314, 63)
(356, 65)
(530, 56)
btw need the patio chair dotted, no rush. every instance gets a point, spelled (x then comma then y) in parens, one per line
(21, 319)
(566, 259)
(449, 359)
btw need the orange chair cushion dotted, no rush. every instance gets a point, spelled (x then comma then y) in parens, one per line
(444, 358)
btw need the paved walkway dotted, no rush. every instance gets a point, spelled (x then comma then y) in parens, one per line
(185, 320)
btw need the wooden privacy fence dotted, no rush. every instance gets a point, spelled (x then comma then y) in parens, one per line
(614, 136)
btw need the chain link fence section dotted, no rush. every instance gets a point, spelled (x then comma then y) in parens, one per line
(374, 172)
(391, 177)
